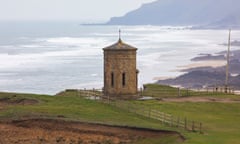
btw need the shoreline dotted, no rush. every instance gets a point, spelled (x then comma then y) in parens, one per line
(202, 63)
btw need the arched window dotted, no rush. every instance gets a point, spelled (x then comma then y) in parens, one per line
(112, 79)
(123, 79)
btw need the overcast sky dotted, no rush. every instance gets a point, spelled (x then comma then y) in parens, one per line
(58, 10)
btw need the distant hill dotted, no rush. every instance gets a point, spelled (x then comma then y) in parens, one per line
(201, 77)
(196, 79)
(207, 13)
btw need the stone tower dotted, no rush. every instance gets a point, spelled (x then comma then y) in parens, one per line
(120, 73)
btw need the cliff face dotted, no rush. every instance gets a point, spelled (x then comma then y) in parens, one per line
(200, 77)
(210, 13)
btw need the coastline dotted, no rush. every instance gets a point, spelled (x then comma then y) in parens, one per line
(207, 70)
(202, 63)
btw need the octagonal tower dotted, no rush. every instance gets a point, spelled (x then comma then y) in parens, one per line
(120, 72)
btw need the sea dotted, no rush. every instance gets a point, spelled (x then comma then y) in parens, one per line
(49, 57)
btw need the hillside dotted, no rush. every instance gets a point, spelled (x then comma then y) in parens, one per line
(69, 118)
(207, 13)
(200, 77)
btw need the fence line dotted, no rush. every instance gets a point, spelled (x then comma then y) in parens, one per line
(177, 92)
(164, 118)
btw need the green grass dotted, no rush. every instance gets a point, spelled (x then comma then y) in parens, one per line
(162, 91)
(72, 107)
(166, 140)
(76, 108)
(221, 121)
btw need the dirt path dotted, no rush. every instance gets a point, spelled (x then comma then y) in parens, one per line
(200, 99)
(20, 101)
(58, 131)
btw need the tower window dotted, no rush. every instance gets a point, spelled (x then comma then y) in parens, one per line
(112, 79)
(123, 79)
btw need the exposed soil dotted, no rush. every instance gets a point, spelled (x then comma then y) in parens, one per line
(17, 101)
(58, 131)
(200, 99)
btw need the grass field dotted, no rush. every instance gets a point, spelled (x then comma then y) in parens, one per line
(161, 91)
(71, 107)
(221, 121)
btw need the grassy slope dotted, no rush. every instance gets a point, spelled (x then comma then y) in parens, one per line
(161, 91)
(221, 121)
(77, 108)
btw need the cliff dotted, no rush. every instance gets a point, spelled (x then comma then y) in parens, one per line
(207, 13)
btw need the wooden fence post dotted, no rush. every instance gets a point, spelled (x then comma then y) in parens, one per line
(178, 120)
(193, 126)
(135, 109)
(185, 123)
(179, 94)
(149, 113)
(128, 107)
(163, 118)
(200, 128)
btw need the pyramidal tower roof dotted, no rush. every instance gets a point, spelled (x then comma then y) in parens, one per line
(120, 45)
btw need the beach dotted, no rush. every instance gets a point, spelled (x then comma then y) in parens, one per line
(48, 58)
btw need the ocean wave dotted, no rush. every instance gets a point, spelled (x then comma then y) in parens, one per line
(50, 64)
(76, 41)
(152, 28)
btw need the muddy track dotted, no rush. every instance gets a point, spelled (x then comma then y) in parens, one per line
(19, 101)
(51, 131)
